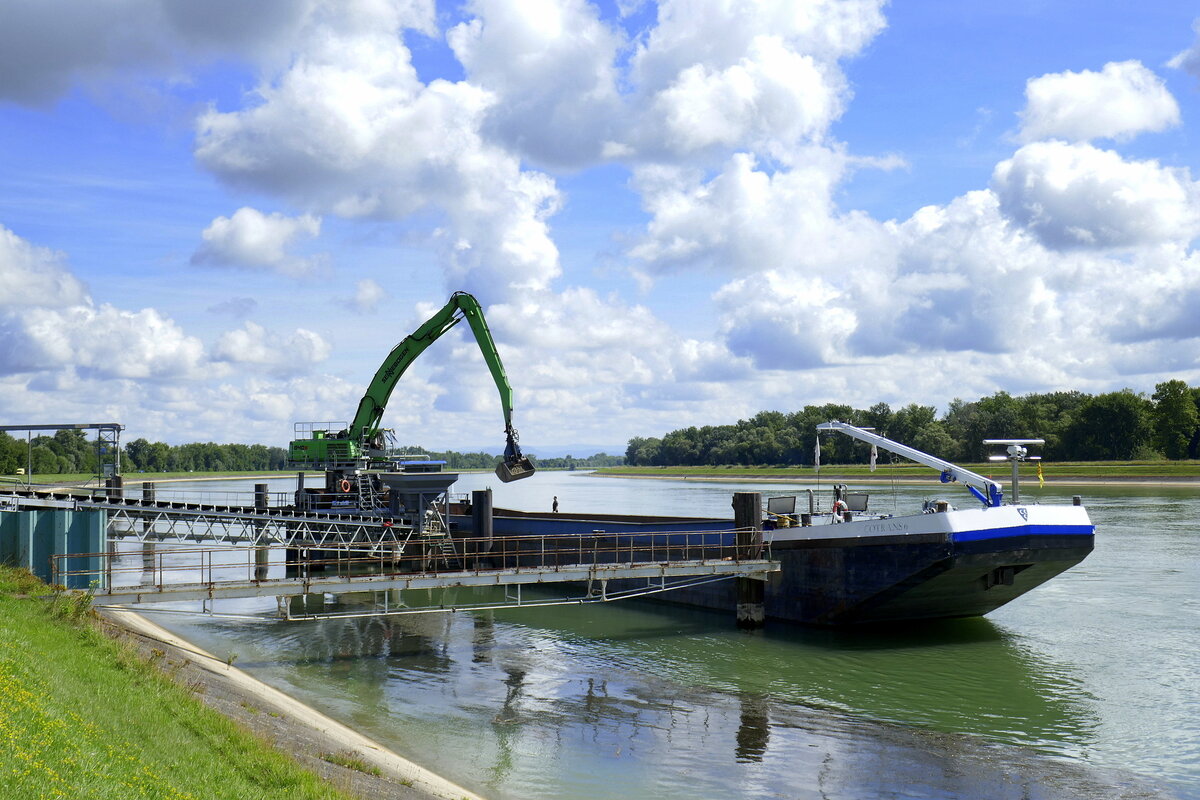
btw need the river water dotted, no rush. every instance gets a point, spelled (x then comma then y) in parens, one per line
(1089, 686)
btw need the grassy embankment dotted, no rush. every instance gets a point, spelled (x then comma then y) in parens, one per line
(1056, 470)
(81, 716)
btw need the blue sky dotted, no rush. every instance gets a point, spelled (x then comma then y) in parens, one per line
(213, 226)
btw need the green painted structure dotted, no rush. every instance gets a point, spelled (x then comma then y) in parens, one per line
(29, 538)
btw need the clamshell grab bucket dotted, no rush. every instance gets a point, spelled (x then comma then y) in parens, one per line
(509, 471)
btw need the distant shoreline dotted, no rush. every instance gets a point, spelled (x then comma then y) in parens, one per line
(1181, 482)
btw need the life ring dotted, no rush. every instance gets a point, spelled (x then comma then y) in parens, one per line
(344, 485)
(839, 508)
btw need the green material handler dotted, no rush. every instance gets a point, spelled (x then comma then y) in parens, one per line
(361, 444)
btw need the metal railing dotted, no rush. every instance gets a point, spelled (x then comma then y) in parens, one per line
(165, 493)
(168, 571)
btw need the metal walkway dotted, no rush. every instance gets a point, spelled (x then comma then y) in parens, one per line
(189, 574)
(152, 520)
(282, 552)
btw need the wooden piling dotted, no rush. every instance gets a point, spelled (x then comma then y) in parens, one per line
(747, 519)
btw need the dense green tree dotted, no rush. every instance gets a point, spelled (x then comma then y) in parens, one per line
(12, 454)
(1113, 426)
(1047, 416)
(45, 462)
(1175, 418)
(879, 417)
(1074, 425)
(642, 452)
(1194, 446)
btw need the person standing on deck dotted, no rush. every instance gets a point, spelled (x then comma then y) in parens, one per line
(554, 507)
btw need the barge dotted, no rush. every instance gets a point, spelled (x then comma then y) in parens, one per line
(850, 566)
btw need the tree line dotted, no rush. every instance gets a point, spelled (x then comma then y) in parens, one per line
(455, 460)
(71, 451)
(1115, 426)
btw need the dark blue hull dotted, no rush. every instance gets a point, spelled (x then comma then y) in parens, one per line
(830, 578)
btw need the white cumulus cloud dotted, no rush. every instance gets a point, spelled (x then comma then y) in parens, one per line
(104, 342)
(285, 354)
(348, 128)
(553, 67)
(251, 239)
(34, 276)
(788, 322)
(1119, 102)
(771, 94)
(746, 219)
(368, 294)
(1076, 195)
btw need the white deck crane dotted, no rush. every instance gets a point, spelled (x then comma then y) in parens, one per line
(986, 490)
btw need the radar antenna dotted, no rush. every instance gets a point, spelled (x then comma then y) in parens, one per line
(1015, 452)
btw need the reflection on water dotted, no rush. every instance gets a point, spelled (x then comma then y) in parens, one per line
(604, 702)
(632, 700)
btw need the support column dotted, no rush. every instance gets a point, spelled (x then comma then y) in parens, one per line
(147, 545)
(747, 518)
(89, 531)
(481, 521)
(60, 519)
(262, 553)
(116, 487)
(26, 555)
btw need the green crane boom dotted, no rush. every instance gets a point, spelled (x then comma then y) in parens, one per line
(364, 435)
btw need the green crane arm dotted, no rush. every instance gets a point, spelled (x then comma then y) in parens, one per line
(461, 305)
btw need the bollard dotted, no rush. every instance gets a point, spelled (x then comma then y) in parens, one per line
(747, 518)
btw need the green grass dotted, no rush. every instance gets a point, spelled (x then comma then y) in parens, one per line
(351, 760)
(81, 716)
(1147, 470)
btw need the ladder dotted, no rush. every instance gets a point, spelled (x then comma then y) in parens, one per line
(436, 542)
(368, 499)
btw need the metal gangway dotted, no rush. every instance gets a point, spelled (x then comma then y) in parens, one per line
(208, 552)
(644, 563)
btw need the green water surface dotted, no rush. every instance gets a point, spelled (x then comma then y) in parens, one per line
(1089, 686)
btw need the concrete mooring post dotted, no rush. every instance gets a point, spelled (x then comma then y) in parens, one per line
(747, 518)
(262, 553)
